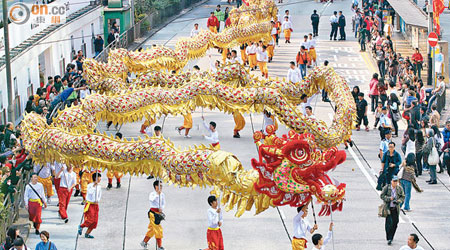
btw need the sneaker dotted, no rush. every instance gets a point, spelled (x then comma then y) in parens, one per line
(66, 220)
(109, 186)
(37, 232)
(389, 242)
(150, 177)
(80, 230)
(432, 182)
(88, 236)
(367, 129)
(77, 193)
(49, 200)
(118, 185)
(144, 244)
(187, 136)
(178, 129)
(160, 248)
(83, 203)
(236, 136)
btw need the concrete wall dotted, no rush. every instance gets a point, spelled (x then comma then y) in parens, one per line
(19, 33)
(55, 48)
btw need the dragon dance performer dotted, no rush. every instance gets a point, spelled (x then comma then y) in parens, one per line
(263, 58)
(312, 50)
(111, 174)
(240, 123)
(274, 31)
(213, 134)
(244, 56)
(85, 179)
(301, 227)
(287, 29)
(34, 199)
(44, 174)
(56, 167)
(215, 220)
(93, 196)
(68, 180)
(187, 125)
(147, 124)
(212, 23)
(155, 215)
(270, 49)
(251, 52)
(269, 119)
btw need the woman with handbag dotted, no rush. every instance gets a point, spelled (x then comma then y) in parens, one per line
(431, 156)
(407, 179)
(392, 196)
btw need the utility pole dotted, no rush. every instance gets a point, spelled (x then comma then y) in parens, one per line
(430, 79)
(11, 114)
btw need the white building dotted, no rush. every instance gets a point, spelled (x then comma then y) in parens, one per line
(34, 60)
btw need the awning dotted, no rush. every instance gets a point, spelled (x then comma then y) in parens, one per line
(409, 12)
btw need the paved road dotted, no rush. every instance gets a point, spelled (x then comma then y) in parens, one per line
(123, 217)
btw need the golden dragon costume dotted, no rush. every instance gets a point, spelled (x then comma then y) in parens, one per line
(289, 170)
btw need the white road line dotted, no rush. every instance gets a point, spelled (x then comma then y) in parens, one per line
(370, 179)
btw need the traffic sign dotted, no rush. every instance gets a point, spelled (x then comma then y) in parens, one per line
(433, 39)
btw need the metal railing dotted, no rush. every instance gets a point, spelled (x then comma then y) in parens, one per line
(12, 208)
(141, 28)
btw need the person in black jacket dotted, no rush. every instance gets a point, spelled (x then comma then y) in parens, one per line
(111, 37)
(315, 23)
(341, 23)
(98, 45)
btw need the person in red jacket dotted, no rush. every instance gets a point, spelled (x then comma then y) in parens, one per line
(213, 23)
(417, 59)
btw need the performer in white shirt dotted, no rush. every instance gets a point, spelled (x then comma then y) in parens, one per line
(44, 173)
(234, 58)
(251, 53)
(213, 65)
(68, 181)
(34, 199)
(93, 196)
(56, 167)
(294, 75)
(312, 49)
(318, 240)
(213, 134)
(413, 239)
(270, 49)
(305, 42)
(301, 227)
(287, 29)
(195, 30)
(157, 204)
(263, 58)
(286, 14)
(269, 119)
(215, 220)
(309, 113)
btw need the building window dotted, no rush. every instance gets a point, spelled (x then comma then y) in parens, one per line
(17, 107)
(62, 66)
(72, 47)
(1, 101)
(29, 90)
(29, 76)
(92, 38)
(16, 87)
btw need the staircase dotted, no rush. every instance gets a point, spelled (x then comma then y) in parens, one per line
(405, 49)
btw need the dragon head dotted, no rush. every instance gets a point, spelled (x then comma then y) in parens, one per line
(292, 169)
